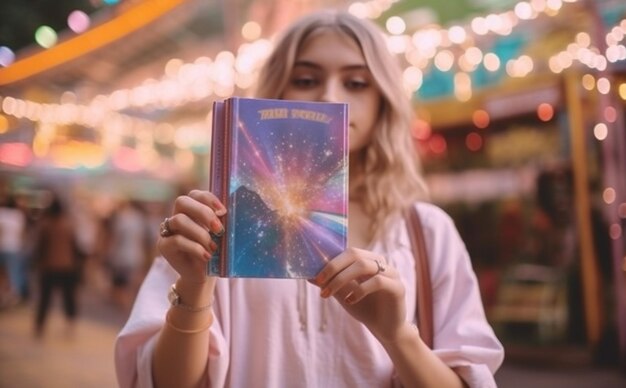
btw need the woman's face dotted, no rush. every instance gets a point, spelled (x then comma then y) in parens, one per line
(330, 67)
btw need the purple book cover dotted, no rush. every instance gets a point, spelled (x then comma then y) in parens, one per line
(281, 169)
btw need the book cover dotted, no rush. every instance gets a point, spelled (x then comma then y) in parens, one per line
(281, 169)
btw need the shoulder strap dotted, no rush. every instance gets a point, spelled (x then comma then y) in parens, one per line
(423, 285)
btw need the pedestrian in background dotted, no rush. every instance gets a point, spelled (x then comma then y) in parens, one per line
(12, 257)
(128, 247)
(58, 262)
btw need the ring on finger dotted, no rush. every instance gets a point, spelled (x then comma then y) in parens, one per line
(164, 228)
(381, 267)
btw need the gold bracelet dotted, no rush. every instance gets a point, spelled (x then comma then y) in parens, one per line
(187, 331)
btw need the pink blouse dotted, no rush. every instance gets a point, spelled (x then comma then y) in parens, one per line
(281, 333)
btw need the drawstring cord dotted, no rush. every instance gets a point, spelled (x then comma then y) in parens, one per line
(323, 318)
(301, 303)
(302, 308)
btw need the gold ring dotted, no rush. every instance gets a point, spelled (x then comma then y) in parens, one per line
(164, 229)
(381, 267)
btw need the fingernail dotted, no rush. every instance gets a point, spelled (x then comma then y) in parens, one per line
(349, 299)
(325, 293)
(220, 212)
(216, 225)
(319, 279)
(212, 246)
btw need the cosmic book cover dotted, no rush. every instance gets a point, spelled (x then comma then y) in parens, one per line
(281, 169)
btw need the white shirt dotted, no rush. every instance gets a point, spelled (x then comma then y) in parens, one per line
(12, 224)
(281, 333)
(128, 242)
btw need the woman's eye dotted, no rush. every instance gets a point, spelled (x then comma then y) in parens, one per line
(304, 82)
(356, 84)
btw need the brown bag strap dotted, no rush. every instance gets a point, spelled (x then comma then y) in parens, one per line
(424, 299)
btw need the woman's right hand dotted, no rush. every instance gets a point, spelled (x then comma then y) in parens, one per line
(188, 246)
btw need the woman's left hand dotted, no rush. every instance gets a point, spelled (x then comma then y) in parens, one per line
(368, 288)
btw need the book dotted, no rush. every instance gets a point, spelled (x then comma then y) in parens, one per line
(281, 169)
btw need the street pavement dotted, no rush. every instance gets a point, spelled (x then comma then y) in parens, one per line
(61, 358)
(85, 359)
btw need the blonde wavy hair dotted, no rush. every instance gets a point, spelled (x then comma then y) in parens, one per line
(385, 176)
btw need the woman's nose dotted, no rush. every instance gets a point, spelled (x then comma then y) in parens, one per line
(332, 91)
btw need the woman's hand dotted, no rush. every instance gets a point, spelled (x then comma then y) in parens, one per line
(186, 242)
(368, 288)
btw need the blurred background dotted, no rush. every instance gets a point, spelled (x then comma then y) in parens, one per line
(105, 111)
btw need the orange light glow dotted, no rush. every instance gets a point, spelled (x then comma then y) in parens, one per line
(132, 20)
(76, 154)
(481, 119)
(545, 112)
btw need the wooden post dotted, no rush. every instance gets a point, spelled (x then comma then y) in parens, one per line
(590, 275)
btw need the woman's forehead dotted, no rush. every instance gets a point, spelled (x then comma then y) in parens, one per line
(330, 43)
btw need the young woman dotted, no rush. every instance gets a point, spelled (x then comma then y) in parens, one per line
(351, 326)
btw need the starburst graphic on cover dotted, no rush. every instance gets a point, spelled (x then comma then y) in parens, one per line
(287, 188)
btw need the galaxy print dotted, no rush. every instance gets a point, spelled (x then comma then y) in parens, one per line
(287, 188)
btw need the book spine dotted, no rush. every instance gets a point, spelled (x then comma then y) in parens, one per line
(217, 180)
(346, 176)
(230, 134)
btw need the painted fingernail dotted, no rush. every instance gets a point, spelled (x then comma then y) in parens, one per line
(212, 246)
(325, 293)
(319, 279)
(217, 226)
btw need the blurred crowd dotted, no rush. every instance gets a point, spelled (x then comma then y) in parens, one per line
(54, 244)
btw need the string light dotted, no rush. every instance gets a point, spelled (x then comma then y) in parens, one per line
(183, 82)
(245, 62)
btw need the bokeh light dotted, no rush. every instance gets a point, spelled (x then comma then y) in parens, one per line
(438, 144)
(545, 112)
(78, 21)
(622, 91)
(6, 56)
(589, 82)
(444, 60)
(457, 34)
(395, 25)
(15, 154)
(609, 195)
(4, 124)
(421, 129)
(45, 36)
(600, 131)
(615, 231)
(251, 31)
(481, 119)
(604, 85)
(610, 114)
(473, 141)
(492, 62)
